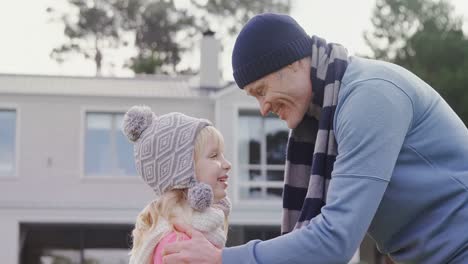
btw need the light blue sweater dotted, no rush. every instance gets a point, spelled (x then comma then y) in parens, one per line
(401, 174)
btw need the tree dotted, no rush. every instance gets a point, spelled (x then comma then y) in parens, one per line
(167, 31)
(156, 37)
(91, 27)
(425, 37)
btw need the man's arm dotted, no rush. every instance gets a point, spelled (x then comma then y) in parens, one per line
(331, 237)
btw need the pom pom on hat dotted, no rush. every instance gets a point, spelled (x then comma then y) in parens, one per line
(136, 120)
(200, 196)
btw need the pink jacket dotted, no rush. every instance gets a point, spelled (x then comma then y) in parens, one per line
(168, 239)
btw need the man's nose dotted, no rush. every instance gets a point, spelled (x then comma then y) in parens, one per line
(264, 107)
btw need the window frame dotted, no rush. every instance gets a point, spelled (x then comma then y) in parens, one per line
(15, 108)
(85, 177)
(263, 166)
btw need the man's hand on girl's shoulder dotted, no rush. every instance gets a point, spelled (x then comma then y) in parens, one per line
(197, 250)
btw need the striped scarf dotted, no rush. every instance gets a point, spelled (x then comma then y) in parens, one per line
(312, 147)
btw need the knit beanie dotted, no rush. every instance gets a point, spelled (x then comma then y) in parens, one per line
(267, 43)
(164, 152)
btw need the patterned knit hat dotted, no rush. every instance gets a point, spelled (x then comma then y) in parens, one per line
(164, 149)
(267, 43)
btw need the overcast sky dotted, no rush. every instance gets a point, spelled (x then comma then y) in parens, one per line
(27, 37)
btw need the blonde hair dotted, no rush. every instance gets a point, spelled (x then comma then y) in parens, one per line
(172, 205)
(202, 138)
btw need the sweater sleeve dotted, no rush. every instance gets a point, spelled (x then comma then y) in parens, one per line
(370, 128)
(168, 239)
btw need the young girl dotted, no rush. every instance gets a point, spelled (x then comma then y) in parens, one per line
(181, 159)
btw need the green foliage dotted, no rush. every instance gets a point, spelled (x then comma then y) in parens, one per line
(426, 38)
(146, 64)
(156, 37)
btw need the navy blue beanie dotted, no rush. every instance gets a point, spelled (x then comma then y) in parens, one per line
(267, 43)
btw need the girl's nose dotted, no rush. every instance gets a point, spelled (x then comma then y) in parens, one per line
(226, 164)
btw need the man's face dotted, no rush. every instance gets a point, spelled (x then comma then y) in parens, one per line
(286, 92)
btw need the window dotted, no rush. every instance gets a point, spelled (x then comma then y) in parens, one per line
(7, 142)
(107, 150)
(48, 243)
(262, 154)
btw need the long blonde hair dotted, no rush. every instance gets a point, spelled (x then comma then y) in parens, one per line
(172, 205)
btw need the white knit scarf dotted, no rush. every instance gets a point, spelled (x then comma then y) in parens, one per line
(210, 222)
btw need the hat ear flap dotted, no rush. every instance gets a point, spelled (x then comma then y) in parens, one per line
(200, 196)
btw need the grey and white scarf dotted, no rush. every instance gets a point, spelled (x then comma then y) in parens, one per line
(312, 147)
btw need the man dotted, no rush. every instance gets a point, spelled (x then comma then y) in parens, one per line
(372, 149)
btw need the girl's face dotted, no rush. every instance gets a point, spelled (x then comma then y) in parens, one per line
(211, 168)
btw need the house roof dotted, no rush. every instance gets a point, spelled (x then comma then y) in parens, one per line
(184, 86)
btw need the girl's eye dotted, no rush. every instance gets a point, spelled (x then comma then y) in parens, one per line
(213, 156)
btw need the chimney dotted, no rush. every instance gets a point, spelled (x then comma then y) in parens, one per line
(210, 72)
